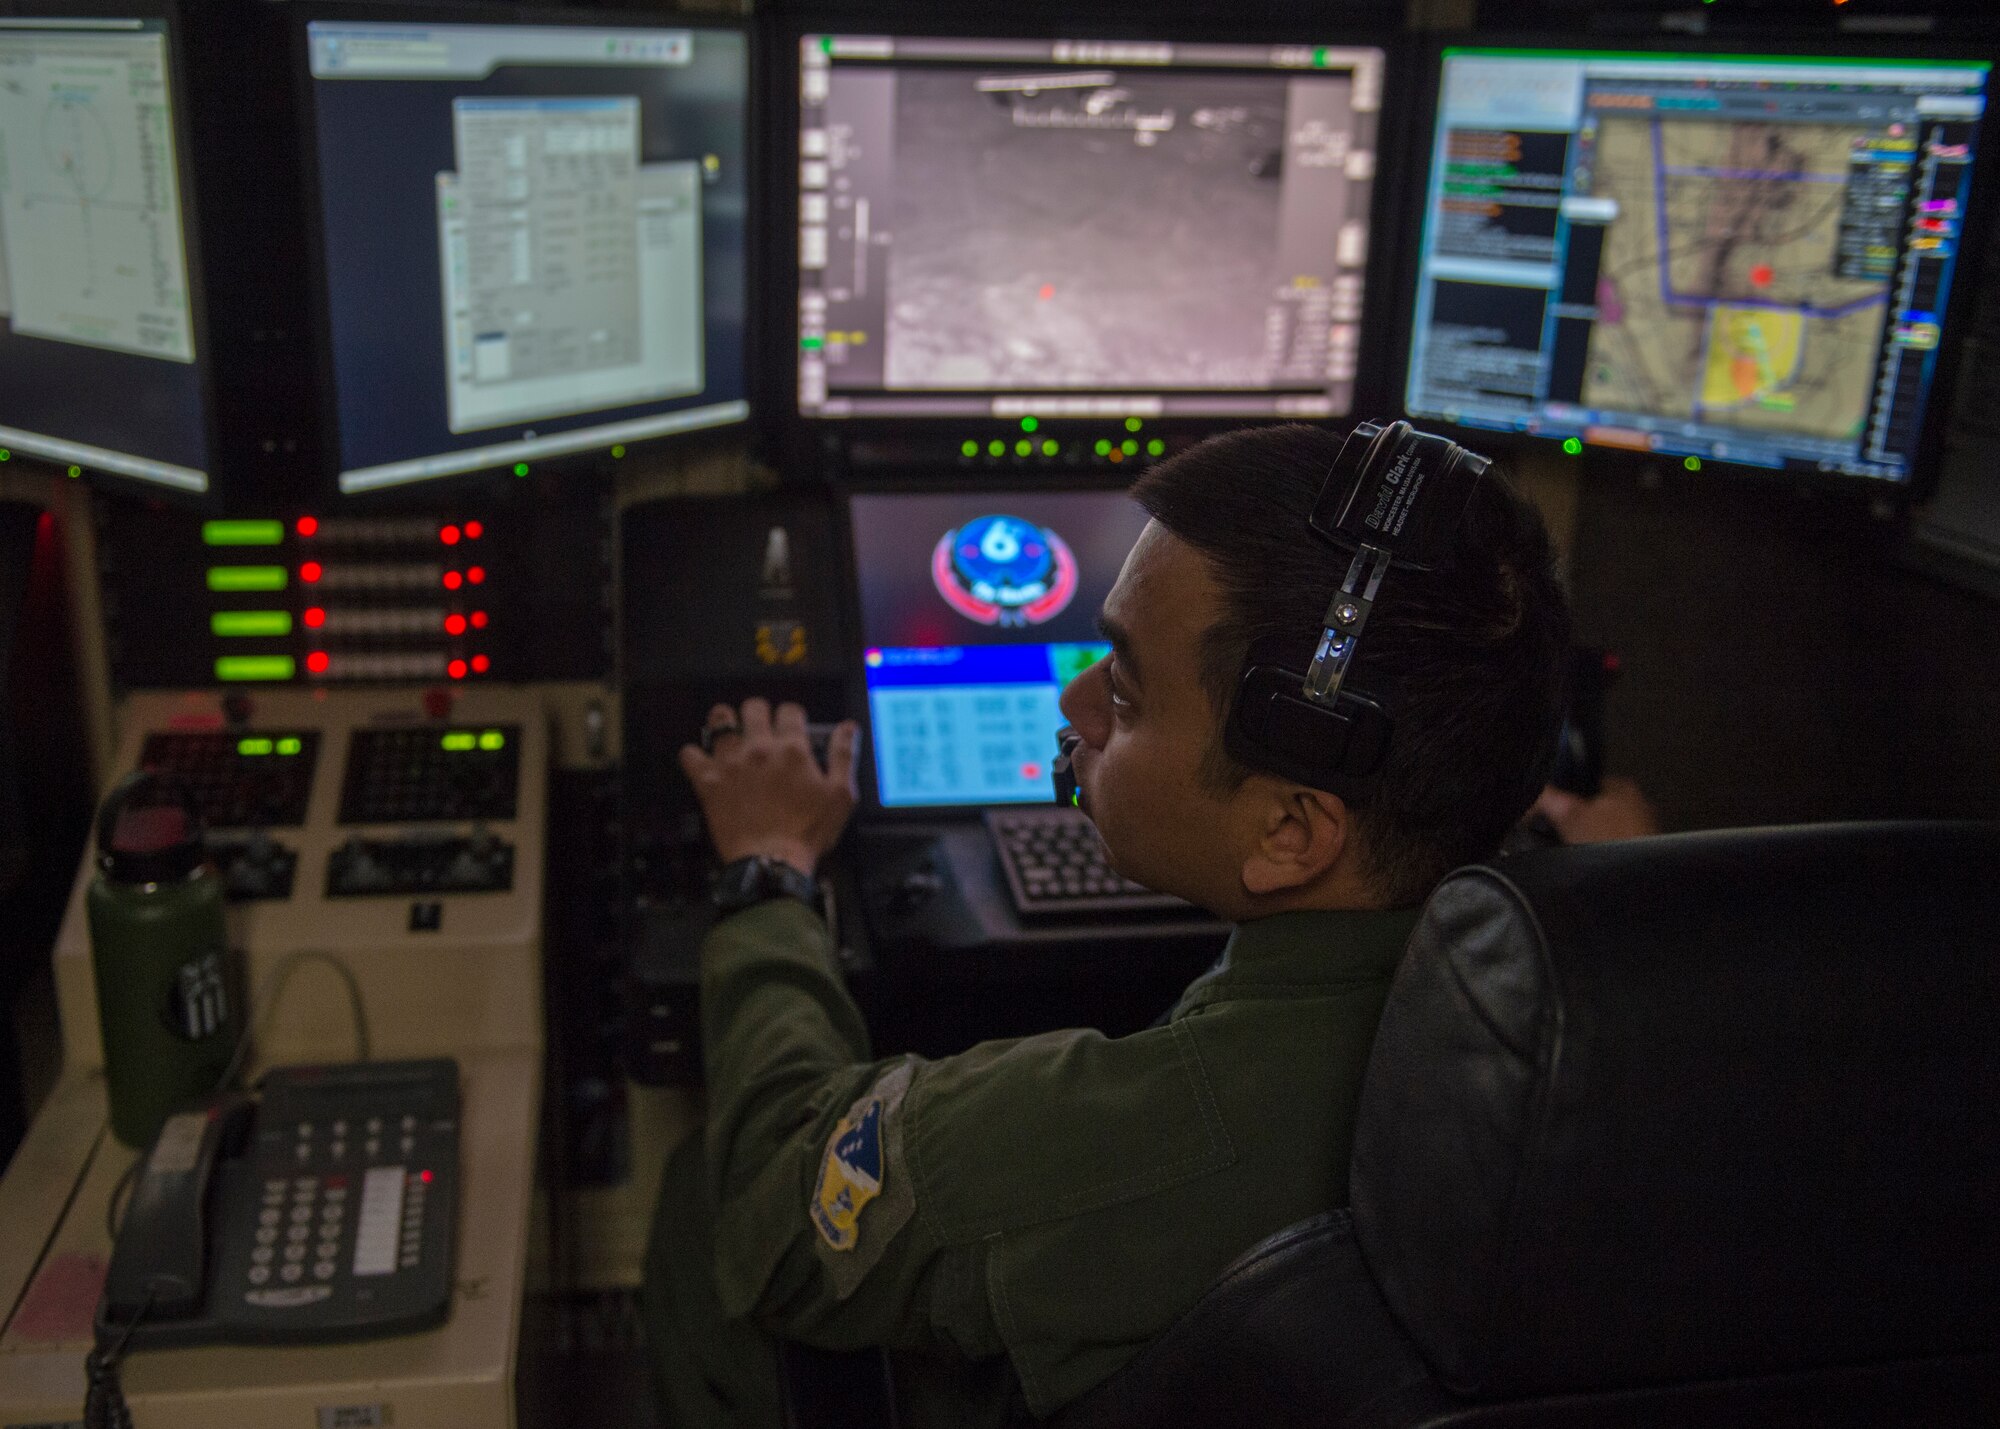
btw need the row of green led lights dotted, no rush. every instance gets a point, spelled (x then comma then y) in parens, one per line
(1050, 447)
(460, 741)
(256, 746)
(1575, 448)
(6, 455)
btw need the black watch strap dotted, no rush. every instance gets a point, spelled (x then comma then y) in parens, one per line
(757, 879)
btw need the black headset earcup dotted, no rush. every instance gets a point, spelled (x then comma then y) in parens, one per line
(1274, 727)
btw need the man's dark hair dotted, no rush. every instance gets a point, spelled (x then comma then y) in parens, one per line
(1471, 661)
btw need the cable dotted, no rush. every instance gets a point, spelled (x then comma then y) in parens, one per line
(272, 988)
(112, 1220)
(104, 1404)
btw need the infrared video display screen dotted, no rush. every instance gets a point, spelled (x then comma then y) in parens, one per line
(533, 239)
(100, 362)
(1722, 257)
(1002, 227)
(976, 609)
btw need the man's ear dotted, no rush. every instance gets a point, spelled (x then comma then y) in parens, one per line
(1300, 834)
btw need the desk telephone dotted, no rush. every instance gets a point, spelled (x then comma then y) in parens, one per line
(324, 1213)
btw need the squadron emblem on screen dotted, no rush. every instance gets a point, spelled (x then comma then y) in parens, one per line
(1001, 570)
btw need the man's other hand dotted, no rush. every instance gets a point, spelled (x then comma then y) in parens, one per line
(761, 789)
(1617, 811)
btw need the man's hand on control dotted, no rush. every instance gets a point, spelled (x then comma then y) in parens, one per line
(761, 789)
(1619, 810)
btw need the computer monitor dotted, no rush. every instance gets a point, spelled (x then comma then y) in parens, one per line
(1082, 228)
(976, 609)
(531, 237)
(1713, 256)
(102, 360)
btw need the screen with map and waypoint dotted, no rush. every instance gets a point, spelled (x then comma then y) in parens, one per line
(1710, 257)
(998, 227)
(102, 352)
(977, 608)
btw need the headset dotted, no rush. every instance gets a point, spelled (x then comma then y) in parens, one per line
(1393, 500)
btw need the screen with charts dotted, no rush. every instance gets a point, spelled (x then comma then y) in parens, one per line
(99, 362)
(1731, 257)
(976, 609)
(533, 239)
(998, 227)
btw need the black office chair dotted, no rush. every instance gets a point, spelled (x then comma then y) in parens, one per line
(1691, 1130)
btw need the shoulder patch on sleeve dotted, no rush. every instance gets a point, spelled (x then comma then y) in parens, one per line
(863, 1165)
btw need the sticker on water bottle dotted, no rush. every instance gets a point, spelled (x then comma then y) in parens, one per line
(201, 998)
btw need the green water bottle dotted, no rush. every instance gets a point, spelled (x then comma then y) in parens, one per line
(160, 953)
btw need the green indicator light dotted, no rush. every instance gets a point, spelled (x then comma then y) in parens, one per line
(240, 578)
(1321, 59)
(812, 344)
(996, 447)
(1103, 447)
(618, 451)
(238, 623)
(1132, 424)
(251, 748)
(1028, 424)
(1051, 447)
(291, 744)
(232, 669)
(1130, 447)
(1692, 463)
(492, 739)
(6, 455)
(826, 44)
(1023, 447)
(970, 448)
(242, 533)
(458, 741)
(520, 468)
(1156, 447)
(1572, 446)
(75, 472)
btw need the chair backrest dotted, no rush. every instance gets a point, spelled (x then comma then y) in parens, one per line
(1692, 1108)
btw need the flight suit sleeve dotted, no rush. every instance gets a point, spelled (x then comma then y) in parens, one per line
(818, 1234)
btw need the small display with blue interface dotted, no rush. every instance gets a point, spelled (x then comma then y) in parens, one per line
(976, 610)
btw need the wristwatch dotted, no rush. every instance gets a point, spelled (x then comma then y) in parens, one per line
(757, 879)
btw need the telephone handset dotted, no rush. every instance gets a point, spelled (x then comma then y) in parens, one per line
(325, 1212)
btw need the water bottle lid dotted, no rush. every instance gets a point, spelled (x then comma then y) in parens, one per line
(140, 840)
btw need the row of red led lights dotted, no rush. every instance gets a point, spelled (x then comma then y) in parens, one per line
(455, 625)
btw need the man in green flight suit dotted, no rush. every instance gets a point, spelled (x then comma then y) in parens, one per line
(1013, 1223)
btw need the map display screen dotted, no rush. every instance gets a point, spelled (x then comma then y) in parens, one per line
(977, 608)
(1724, 257)
(995, 227)
(99, 365)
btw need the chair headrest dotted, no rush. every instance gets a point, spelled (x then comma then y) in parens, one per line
(1693, 1106)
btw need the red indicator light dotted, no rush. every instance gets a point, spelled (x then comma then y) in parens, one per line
(454, 625)
(315, 618)
(317, 662)
(308, 526)
(310, 572)
(480, 664)
(425, 1177)
(453, 580)
(474, 530)
(449, 535)
(456, 669)
(478, 620)
(477, 575)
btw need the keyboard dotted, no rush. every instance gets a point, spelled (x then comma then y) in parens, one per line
(1055, 863)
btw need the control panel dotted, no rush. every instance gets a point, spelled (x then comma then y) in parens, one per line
(429, 774)
(420, 863)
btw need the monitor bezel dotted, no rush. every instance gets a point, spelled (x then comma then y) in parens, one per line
(323, 379)
(868, 786)
(173, 14)
(818, 443)
(1652, 466)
